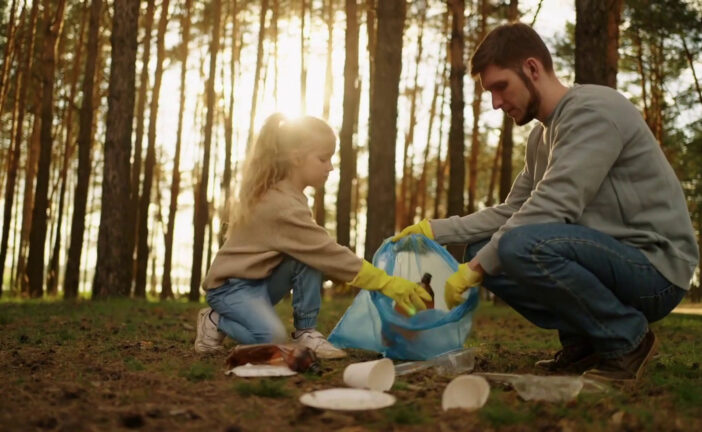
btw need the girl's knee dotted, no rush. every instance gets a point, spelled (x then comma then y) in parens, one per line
(271, 334)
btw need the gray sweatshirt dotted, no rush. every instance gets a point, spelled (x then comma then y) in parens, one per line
(593, 162)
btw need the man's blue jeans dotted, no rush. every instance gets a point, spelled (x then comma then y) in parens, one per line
(587, 285)
(245, 306)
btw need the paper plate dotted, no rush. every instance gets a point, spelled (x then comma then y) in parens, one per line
(251, 370)
(347, 399)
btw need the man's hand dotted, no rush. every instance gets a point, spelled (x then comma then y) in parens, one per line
(464, 278)
(423, 227)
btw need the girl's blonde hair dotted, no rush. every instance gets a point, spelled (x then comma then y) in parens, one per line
(269, 159)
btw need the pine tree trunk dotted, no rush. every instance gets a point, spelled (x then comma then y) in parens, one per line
(37, 235)
(691, 62)
(113, 270)
(475, 134)
(229, 123)
(201, 216)
(591, 42)
(457, 170)
(145, 199)
(167, 288)
(85, 144)
(7, 55)
(257, 73)
(383, 124)
(438, 87)
(347, 157)
(303, 66)
(52, 277)
(30, 165)
(372, 32)
(319, 208)
(140, 118)
(21, 82)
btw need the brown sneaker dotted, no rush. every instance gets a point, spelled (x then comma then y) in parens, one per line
(628, 367)
(573, 358)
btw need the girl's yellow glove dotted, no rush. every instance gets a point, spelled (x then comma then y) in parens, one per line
(458, 282)
(407, 294)
(422, 227)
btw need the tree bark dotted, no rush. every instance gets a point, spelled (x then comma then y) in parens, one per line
(596, 54)
(457, 171)
(408, 196)
(201, 216)
(145, 199)
(475, 131)
(30, 166)
(113, 271)
(320, 213)
(257, 73)
(52, 278)
(229, 124)
(347, 157)
(167, 288)
(22, 78)
(85, 144)
(37, 235)
(7, 55)
(383, 124)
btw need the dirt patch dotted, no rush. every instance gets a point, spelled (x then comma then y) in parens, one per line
(130, 366)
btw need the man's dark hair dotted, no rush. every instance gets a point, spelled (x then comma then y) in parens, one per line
(507, 46)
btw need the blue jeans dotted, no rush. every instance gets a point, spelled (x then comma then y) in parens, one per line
(587, 285)
(245, 306)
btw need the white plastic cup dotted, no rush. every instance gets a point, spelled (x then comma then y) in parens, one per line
(375, 375)
(465, 391)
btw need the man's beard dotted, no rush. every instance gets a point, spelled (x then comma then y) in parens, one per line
(532, 108)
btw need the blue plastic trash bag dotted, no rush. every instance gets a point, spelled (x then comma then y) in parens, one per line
(372, 323)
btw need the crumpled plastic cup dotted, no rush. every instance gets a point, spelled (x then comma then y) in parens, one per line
(468, 392)
(375, 375)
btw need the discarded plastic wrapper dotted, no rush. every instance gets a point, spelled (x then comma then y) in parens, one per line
(295, 357)
(554, 388)
(451, 363)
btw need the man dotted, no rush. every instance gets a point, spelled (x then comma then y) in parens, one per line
(594, 239)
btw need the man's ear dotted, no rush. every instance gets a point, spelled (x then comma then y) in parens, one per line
(532, 68)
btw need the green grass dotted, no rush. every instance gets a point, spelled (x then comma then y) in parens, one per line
(264, 388)
(101, 360)
(198, 371)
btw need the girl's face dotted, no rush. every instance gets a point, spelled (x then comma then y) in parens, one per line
(313, 167)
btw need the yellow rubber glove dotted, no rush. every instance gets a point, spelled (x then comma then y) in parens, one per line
(422, 227)
(407, 294)
(458, 282)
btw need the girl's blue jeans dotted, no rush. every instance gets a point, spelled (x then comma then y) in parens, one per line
(245, 306)
(590, 287)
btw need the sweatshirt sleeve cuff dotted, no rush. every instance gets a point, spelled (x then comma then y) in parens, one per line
(488, 258)
(441, 230)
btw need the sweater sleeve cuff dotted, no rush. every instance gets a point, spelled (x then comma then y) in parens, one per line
(441, 230)
(488, 258)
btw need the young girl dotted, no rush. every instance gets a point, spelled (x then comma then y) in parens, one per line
(273, 245)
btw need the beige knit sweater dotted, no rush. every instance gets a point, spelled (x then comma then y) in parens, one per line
(281, 224)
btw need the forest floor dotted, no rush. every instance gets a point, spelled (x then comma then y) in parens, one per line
(120, 364)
